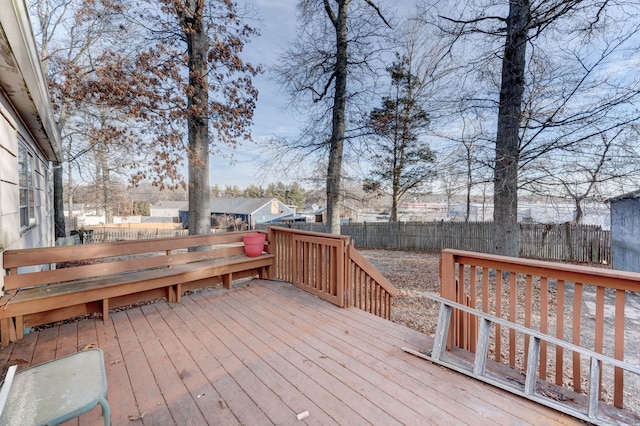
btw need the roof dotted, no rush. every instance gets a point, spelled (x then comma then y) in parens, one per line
(22, 78)
(182, 205)
(239, 205)
(627, 196)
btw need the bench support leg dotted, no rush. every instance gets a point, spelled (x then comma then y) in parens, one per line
(105, 310)
(11, 330)
(174, 293)
(226, 281)
(265, 272)
(262, 272)
(19, 327)
(4, 331)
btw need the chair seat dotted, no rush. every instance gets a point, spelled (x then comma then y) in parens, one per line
(57, 391)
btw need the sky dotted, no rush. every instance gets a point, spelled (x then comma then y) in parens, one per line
(277, 28)
(272, 117)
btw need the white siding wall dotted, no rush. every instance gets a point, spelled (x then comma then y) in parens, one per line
(12, 132)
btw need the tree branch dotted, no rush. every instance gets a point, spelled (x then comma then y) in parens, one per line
(379, 12)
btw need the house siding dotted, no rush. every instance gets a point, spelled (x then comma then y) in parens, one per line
(12, 134)
(26, 119)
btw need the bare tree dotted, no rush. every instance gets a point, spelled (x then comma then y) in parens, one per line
(598, 167)
(531, 29)
(191, 54)
(73, 37)
(166, 68)
(335, 42)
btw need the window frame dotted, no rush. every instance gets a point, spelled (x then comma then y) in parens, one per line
(26, 187)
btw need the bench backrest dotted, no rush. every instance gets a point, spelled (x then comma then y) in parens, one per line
(113, 258)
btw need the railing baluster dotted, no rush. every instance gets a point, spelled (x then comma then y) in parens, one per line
(560, 331)
(473, 332)
(461, 298)
(618, 381)
(513, 301)
(485, 290)
(528, 303)
(544, 325)
(498, 339)
(599, 331)
(575, 337)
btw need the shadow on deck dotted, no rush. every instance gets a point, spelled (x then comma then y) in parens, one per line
(265, 352)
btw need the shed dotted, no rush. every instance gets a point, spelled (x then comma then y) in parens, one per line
(625, 231)
(250, 211)
(168, 209)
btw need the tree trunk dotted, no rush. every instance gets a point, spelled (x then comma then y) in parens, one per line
(58, 202)
(393, 217)
(69, 191)
(198, 120)
(579, 213)
(505, 214)
(334, 170)
(104, 175)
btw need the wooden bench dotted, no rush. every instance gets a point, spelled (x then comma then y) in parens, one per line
(98, 277)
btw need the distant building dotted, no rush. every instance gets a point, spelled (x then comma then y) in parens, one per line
(249, 211)
(168, 209)
(29, 139)
(625, 231)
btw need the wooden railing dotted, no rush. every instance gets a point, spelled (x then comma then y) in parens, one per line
(367, 289)
(331, 268)
(585, 306)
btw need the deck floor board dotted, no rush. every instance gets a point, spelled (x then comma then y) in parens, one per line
(264, 352)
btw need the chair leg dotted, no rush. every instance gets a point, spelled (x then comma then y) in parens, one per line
(106, 411)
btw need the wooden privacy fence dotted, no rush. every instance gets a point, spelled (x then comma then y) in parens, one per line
(585, 306)
(329, 267)
(565, 242)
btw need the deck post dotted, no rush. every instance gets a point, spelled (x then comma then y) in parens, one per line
(448, 288)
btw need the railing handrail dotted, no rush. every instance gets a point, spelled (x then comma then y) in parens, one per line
(374, 273)
(621, 280)
(310, 233)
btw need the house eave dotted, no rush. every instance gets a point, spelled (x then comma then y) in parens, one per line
(23, 79)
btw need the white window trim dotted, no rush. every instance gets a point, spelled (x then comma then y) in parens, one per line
(26, 187)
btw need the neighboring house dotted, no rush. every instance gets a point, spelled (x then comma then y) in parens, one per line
(76, 210)
(29, 139)
(250, 211)
(168, 209)
(625, 232)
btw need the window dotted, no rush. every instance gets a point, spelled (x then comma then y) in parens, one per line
(27, 196)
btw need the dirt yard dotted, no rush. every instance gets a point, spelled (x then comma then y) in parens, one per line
(411, 273)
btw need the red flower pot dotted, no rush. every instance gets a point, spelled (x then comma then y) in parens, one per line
(253, 244)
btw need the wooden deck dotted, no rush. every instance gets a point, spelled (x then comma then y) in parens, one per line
(264, 352)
